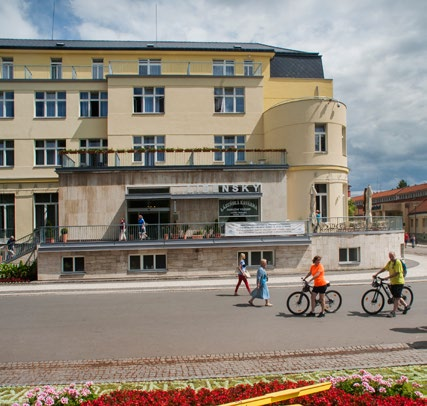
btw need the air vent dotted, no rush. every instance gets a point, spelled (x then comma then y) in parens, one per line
(150, 45)
(60, 44)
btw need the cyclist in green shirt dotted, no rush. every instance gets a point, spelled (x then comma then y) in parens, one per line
(397, 280)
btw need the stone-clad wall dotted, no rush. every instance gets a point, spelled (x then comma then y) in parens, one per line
(221, 261)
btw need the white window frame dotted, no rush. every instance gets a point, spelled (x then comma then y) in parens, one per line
(49, 147)
(143, 258)
(94, 101)
(7, 68)
(225, 142)
(156, 142)
(350, 252)
(150, 67)
(148, 100)
(74, 259)
(248, 68)
(57, 99)
(7, 158)
(229, 100)
(222, 67)
(320, 138)
(56, 68)
(7, 103)
(98, 159)
(322, 200)
(253, 258)
(97, 68)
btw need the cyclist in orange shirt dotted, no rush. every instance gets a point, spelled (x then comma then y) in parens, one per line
(317, 273)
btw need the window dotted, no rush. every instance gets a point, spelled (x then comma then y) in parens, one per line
(349, 255)
(248, 68)
(73, 264)
(149, 100)
(320, 138)
(322, 199)
(7, 215)
(344, 141)
(227, 142)
(50, 104)
(7, 104)
(7, 68)
(223, 68)
(150, 67)
(56, 68)
(229, 99)
(46, 209)
(147, 262)
(93, 158)
(47, 152)
(253, 258)
(6, 153)
(93, 104)
(156, 143)
(97, 69)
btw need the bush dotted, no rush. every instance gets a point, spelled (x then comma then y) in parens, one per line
(18, 273)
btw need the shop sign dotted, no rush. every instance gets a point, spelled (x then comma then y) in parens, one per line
(265, 228)
(206, 188)
(238, 208)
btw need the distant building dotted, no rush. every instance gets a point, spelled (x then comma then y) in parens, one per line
(409, 202)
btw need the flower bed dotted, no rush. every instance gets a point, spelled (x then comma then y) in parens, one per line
(356, 389)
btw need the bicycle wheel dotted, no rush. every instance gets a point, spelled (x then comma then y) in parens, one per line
(298, 303)
(332, 301)
(372, 301)
(407, 296)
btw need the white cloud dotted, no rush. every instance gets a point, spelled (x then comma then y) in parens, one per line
(374, 51)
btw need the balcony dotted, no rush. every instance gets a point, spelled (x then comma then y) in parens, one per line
(211, 232)
(174, 157)
(133, 67)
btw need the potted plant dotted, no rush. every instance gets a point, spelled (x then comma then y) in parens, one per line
(49, 232)
(217, 229)
(64, 234)
(198, 234)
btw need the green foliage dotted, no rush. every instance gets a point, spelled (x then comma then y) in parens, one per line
(351, 208)
(18, 273)
(402, 184)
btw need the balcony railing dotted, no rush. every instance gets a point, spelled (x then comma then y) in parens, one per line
(173, 157)
(133, 67)
(215, 230)
(357, 224)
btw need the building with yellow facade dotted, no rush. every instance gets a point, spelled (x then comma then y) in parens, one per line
(180, 132)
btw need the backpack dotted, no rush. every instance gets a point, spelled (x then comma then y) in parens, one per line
(405, 270)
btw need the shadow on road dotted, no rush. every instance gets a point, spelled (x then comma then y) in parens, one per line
(409, 330)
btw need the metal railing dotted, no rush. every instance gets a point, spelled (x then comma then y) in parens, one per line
(23, 246)
(130, 67)
(357, 224)
(214, 230)
(173, 157)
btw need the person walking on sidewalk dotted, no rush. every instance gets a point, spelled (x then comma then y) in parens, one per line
(317, 273)
(397, 280)
(242, 274)
(261, 291)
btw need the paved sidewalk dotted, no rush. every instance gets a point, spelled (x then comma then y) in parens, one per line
(208, 366)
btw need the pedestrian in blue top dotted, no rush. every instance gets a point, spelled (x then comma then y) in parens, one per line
(261, 291)
(141, 228)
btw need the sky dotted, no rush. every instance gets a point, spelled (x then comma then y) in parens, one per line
(374, 50)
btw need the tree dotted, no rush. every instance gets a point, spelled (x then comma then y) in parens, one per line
(351, 208)
(402, 184)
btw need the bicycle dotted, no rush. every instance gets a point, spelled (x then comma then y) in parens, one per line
(299, 302)
(373, 300)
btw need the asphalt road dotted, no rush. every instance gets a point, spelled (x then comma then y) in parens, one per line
(113, 325)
